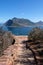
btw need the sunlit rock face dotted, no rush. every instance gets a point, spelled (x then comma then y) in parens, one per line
(6, 40)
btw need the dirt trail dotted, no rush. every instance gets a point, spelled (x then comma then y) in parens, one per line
(19, 39)
(18, 52)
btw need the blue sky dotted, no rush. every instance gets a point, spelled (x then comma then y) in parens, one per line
(29, 9)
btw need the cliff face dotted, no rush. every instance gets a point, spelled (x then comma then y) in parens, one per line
(5, 40)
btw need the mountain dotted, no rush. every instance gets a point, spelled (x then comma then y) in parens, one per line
(1, 24)
(19, 22)
(22, 22)
(39, 23)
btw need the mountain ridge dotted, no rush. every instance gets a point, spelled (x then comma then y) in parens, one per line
(21, 22)
(39, 23)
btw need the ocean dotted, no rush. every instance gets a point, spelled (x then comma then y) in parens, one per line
(20, 30)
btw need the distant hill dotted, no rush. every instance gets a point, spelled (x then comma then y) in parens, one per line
(19, 22)
(39, 23)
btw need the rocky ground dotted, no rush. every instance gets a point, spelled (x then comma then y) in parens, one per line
(17, 54)
(13, 52)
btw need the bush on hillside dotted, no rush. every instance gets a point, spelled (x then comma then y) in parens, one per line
(6, 40)
(36, 34)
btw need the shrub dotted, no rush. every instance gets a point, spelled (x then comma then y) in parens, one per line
(36, 34)
(6, 40)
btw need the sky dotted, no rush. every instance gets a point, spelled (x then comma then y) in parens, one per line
(29, 9)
